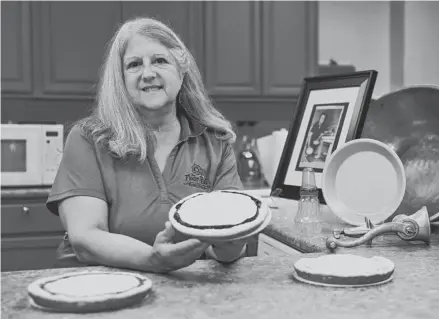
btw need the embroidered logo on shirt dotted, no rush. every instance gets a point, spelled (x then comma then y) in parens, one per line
(197, 178)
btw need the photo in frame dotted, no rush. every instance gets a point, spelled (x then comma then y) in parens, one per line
(330, 111)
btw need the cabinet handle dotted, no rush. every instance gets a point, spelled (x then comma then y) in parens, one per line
(26, 210)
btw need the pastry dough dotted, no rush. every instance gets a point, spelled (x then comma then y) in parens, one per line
(89, 291)
(218, 215)
(344, 269)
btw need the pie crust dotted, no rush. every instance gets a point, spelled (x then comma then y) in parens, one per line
(89, 291)
(345, 269)
(218, 214)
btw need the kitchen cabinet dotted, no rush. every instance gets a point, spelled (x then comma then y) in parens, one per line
(16, 47)
(259, 48)
(69, 46)
(73, 36)
(252, 55)
(233, 34)
(268, 246)
(184, 17)
(30, 235)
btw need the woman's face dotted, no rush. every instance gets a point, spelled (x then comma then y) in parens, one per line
(152, 78)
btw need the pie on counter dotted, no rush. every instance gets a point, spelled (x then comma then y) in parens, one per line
(218, 214)
(90, 291)
(344, 270)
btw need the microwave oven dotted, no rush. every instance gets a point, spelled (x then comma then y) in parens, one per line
(30, 154)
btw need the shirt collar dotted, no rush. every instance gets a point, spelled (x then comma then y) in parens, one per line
(189, 126)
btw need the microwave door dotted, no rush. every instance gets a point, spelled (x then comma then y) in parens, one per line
(21, 156)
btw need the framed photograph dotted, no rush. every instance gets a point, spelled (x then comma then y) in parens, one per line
(331, 111)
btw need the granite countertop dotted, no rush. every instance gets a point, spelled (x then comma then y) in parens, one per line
(262, 287)
(283, 228)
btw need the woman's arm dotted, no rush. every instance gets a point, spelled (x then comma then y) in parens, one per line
(86, 221)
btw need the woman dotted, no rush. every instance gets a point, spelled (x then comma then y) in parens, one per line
(154, 129)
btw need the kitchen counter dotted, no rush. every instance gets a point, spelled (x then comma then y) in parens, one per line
(283, 228)
(262, 287)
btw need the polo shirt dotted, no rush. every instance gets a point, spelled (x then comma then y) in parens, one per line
(138, 195)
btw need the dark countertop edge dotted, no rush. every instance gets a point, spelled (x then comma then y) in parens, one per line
(25, 192)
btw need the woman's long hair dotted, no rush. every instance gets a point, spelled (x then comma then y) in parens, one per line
(116, 122)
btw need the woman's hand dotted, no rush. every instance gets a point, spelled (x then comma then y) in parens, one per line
(168, 256)
(227, 252)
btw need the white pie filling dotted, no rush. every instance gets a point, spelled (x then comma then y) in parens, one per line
(217, 208)
(345, 265)
(92, 285)
(126, 285)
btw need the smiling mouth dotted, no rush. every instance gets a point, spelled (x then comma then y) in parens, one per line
(152, 88)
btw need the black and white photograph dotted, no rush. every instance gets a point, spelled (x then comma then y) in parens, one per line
(322, 135)
(330, 112)
(186, 159)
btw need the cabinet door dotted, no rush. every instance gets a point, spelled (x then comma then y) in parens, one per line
(74, 36)
(232, 47)
(185, 19)
(16, 47)
(25, 253)
(29, 219)
(290, 43)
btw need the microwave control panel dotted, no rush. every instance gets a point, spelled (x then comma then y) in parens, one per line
(53, 149)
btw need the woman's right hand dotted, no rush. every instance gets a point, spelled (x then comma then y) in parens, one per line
(168, 256)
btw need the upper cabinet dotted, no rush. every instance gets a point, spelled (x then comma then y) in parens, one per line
(243, 49)
(183, 17)
(16, 47)
(260, 48)
(73, 42)
(232, 47)
(289, 45)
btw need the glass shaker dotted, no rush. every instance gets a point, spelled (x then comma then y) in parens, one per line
(308, 217)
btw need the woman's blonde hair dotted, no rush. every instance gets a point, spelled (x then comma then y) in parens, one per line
(116, 122)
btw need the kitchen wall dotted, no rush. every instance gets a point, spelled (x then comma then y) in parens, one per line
(357, 33)
(399, 39)
(421, 24)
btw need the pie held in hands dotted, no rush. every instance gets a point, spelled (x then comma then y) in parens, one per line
(344, 270)
(218, 215)
(90, 291)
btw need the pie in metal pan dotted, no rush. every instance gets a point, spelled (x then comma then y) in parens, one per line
(344, 270)
(89, 291)
(220, 215)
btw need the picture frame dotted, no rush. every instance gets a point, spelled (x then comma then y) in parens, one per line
(331, 110)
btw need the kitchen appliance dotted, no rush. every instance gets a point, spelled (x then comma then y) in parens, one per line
(30, 154)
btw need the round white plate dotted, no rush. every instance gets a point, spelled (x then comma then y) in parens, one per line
(363, 178)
